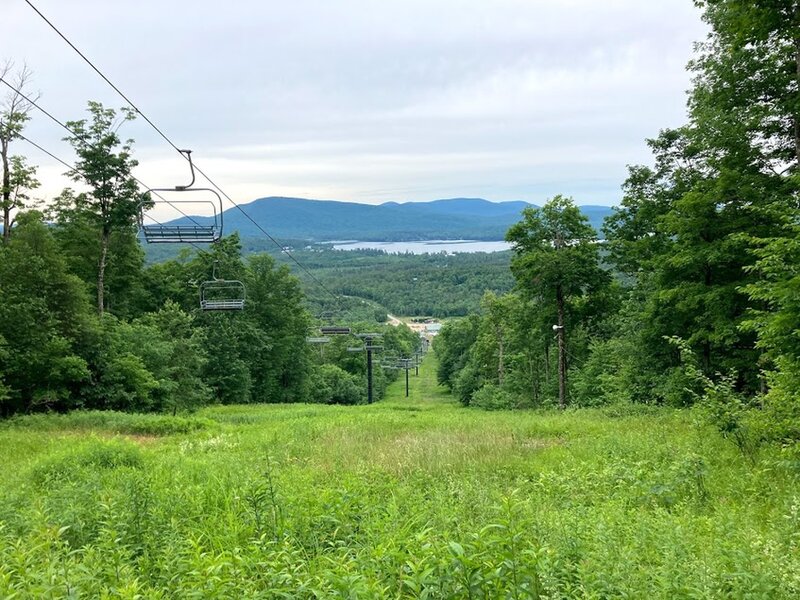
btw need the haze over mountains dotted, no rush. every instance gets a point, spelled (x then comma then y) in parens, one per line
(325, 220)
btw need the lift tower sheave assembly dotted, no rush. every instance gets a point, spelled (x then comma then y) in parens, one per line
(404, 364)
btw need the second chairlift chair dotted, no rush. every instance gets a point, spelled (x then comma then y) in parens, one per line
(221, 294)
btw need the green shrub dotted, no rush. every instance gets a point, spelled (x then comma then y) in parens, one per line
(110, 421)
(97, 454)
(779, 417)
(333, 385)
(492, 397)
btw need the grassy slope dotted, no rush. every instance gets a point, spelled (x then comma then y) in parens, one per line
(409, 497)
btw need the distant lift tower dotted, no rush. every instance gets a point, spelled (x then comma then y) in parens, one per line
(371, 344)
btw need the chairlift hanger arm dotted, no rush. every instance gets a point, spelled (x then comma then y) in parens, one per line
(188, 155)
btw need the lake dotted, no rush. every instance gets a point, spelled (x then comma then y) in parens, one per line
(424, 247)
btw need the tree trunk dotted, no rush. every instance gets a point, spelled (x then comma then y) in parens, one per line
(6, 192)
(797, 78)
(534, 374)
(500, 365)
(562, 351)
(547, 362)
(101, 271)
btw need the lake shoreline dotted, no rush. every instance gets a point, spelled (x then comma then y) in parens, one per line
(423, 246)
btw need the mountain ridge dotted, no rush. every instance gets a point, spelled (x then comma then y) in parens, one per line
(325, 220)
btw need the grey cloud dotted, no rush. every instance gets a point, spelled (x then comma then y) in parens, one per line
(357, 99)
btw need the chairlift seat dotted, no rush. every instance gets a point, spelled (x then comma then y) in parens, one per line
(200, 230)
(222, 295)
(176, 234)
(222, 305)
(333, 330)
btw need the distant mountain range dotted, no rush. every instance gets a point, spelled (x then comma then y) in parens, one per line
(326, 220)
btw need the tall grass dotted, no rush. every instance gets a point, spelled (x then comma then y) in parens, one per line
(414, 498)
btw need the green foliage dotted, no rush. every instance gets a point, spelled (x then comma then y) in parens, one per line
(105, 164)
(147, 357)
(452, 345)
(179, 372)
(76, 231)
(467, 382)
(109, 421)
(340, 376)
(281, 365)
(433, 285)
(4, 391)
(557, 266)
(44, 314)
(511, 346)
(604, 376)
(779, 417)
(700, 231)
(415, 498)
(21, 180)
(97, 454)
(493, 397)
(719, 402)
(554, 246)
(17, 178)
(333, 385)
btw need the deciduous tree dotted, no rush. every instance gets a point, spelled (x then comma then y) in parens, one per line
(556, 259)
(105, 163)
(18, 178)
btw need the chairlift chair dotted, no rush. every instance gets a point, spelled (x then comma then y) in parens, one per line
(222, 294)
(327, 318)
(205, 232)
(334, 330)
(388, 361)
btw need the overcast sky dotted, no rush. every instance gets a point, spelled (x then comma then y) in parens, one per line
(369, 100)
